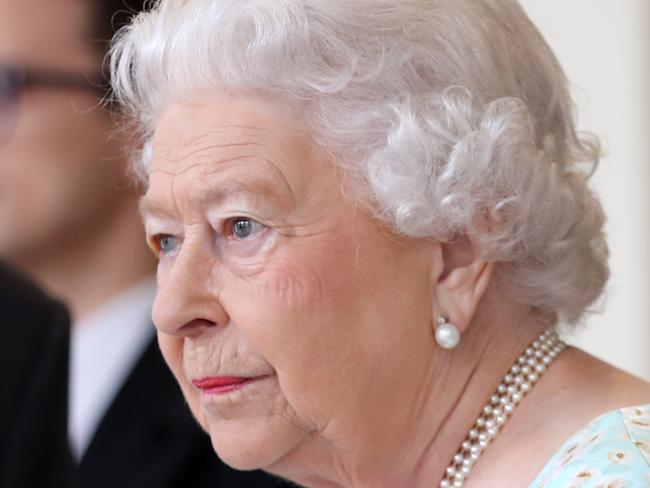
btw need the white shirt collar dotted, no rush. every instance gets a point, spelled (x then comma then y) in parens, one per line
(104, 348)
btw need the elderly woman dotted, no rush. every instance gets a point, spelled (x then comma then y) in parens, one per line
(371, 216)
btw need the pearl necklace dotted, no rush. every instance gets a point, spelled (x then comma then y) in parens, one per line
(515, 385)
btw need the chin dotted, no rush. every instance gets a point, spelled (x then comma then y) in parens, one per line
(254, 443)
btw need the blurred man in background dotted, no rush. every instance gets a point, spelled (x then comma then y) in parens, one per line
(68, 218)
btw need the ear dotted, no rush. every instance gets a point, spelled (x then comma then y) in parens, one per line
(460, 283)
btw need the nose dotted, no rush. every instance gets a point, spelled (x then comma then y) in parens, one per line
(187, 301)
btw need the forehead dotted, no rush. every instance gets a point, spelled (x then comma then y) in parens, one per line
(47, 33)
(210, 113)
(211, 134)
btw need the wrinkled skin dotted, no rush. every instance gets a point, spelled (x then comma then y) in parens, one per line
(330, 311)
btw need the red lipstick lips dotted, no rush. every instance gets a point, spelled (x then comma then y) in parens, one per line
(219, 385)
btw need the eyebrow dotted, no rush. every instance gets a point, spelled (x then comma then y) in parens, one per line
(150, 207)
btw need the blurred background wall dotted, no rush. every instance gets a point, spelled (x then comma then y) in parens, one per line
(604, 46)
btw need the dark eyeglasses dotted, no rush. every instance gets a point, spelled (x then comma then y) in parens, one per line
(14, 80)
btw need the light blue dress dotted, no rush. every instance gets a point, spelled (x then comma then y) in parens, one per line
(613, 451)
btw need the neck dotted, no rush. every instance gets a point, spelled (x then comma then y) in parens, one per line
(460, 382)
(472, 373)
(95, 265)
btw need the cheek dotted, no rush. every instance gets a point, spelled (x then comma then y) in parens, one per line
(283, 302)
(53, 186)
(335, 315)
(299, 313)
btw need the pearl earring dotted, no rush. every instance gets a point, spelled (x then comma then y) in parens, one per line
(447, 334)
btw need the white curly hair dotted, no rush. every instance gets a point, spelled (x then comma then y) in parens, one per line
(453, 115)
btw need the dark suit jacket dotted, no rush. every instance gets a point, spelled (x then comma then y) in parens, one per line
(147, 439)
(34, 387)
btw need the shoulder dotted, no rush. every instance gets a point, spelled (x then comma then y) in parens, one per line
(21, 301)
(613, 450)
(34, 334)
(34, 339)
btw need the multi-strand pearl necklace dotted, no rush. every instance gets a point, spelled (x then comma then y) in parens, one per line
(520, 379)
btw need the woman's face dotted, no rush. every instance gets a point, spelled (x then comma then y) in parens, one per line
(294, 322)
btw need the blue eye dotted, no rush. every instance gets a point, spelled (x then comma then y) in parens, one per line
(167, 243)
(243, 228)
